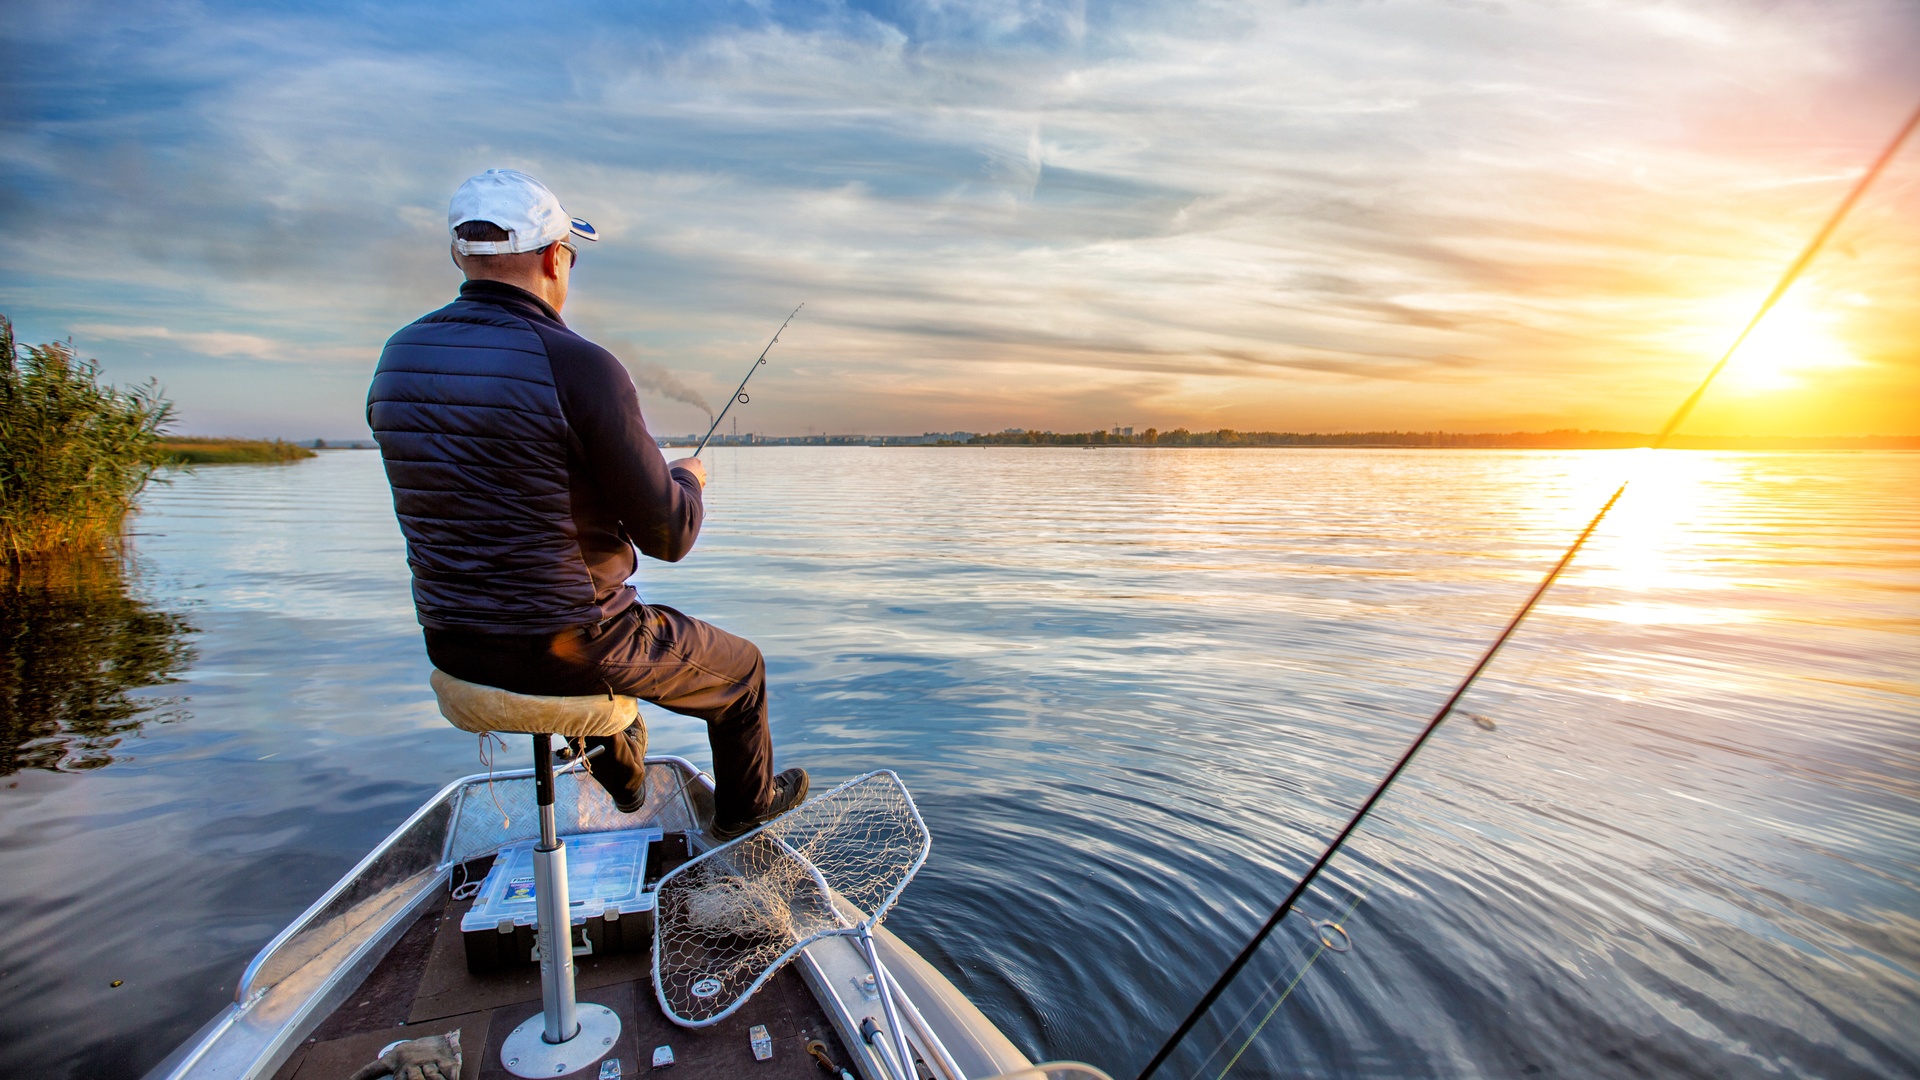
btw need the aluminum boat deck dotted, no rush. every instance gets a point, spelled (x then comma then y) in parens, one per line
(422, 987)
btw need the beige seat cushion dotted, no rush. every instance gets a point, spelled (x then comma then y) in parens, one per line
(472, 707)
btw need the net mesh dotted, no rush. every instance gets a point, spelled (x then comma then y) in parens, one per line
(728, 920)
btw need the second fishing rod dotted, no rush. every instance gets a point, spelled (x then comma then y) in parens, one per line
(1493, 649)
(740, 392)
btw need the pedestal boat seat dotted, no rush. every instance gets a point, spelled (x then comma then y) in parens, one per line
(567, 1035)
(480, 709)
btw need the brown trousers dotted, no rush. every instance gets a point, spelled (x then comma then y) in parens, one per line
(653, 653)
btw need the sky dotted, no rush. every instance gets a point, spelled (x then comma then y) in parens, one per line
(1403, 214)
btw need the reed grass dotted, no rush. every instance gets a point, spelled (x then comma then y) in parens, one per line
(75, 452)
(196, 450)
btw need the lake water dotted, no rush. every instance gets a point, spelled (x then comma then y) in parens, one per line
(1134, 692)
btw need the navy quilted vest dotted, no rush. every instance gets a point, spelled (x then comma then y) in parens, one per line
(465, 410)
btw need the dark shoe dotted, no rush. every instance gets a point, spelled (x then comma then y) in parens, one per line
(636, 755)
(789, 791)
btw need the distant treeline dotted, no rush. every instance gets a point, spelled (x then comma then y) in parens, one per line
(1567, 439)
(205, 451)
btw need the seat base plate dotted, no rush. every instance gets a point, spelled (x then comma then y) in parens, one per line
(527, 1053)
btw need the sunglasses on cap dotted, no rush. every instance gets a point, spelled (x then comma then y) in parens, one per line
(579, 228)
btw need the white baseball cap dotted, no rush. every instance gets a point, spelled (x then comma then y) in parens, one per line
(516, 202)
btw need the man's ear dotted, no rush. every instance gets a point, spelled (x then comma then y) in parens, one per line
(550, 261)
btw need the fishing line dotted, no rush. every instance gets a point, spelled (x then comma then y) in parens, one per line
(1322, 948)
(740, 392)
(1786, 281)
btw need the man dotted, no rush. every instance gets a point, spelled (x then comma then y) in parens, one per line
(524, 477)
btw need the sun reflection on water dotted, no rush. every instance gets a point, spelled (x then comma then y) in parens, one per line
(1646, 563)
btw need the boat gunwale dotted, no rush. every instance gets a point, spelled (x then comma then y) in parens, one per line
(276, 1043)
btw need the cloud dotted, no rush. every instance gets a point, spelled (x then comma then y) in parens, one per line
(211, 343)
(1409, 213)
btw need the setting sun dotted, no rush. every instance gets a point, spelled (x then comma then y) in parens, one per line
(1795, 340)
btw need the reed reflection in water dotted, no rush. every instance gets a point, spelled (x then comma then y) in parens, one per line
(77, 639)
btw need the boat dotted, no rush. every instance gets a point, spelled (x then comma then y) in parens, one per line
(381, 959)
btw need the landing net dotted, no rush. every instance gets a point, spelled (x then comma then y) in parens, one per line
(726, 921)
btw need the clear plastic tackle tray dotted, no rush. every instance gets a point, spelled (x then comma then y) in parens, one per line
(606, 878)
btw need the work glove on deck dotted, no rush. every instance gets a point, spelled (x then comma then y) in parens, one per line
(434, 1058)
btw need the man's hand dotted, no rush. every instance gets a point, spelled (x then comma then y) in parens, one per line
(693, 465)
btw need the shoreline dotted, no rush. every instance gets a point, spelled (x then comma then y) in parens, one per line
(1896, 444)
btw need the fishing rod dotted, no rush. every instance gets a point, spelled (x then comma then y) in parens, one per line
(740, 392)
(1673, 423)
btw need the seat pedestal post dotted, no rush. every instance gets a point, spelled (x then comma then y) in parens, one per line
(565, 1037)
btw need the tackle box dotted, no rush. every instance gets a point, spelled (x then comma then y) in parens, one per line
(610, 906)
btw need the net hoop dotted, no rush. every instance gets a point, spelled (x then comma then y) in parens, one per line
(730, 919)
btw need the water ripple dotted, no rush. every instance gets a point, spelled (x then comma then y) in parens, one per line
(1134, 693)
